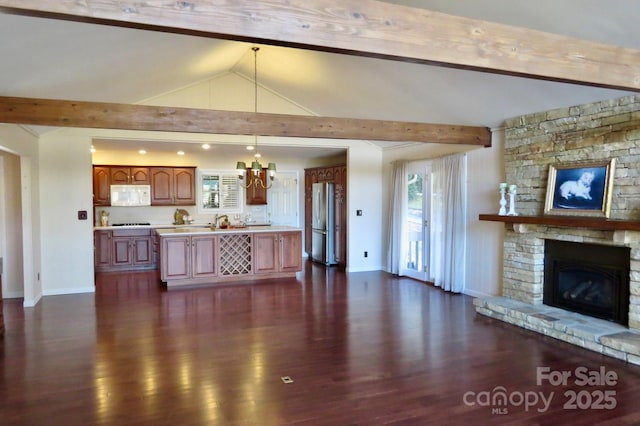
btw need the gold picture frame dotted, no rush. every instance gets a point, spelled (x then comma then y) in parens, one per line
(580, 189)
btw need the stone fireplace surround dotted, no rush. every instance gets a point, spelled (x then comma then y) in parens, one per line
(592, 132)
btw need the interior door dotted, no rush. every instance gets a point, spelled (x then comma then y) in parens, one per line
(417, 216)
(283, 200)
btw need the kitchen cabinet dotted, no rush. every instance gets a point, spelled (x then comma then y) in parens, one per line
(337, 175)
(102, 249)
(256, 195)
(340, 219)
(173, 186)
(277, 252)
(205, 257)
(101, 186)
(122, 250)
(189, 257)
(122, 175)
(105, 176)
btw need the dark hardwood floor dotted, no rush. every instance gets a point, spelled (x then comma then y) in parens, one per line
(361, 349)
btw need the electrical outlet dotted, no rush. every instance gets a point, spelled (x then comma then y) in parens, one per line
(366, 254)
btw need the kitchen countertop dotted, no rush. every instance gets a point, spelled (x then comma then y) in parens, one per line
(163, 232)
(203, 228)
(191, 226)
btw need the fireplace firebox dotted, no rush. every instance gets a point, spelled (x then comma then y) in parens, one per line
(590, 279)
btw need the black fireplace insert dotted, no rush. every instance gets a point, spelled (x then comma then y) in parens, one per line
(590, 279)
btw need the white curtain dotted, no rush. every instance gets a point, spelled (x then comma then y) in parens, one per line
(397, 214)
(448, 223)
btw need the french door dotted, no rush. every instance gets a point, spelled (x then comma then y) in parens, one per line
(415, 257)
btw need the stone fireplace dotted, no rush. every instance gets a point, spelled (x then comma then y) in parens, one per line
(592, 132)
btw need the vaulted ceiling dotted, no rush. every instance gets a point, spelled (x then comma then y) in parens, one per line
(49, 58)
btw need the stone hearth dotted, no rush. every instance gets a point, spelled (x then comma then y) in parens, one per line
(590, 333)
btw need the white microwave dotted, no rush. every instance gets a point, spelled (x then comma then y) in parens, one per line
(130, 195)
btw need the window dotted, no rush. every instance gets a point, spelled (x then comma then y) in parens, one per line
(218, 191)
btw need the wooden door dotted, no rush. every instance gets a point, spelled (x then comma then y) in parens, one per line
(290, 251)
(102, 249)
(120, 175)
(139, 176)
(266, 252)
(204, 256)
(142, 251)
(121, 251)
(184, 186)
(176, 258)
(257, 195)
(161, 186)
(101, 186)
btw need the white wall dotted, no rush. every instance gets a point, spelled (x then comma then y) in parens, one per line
(14, 139)
(11, 247)
(364, 192)
(66, 188)
(484, 239)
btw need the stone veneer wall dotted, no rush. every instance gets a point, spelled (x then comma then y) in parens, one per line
(591, 132)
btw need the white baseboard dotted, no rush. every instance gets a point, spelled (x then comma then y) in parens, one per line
(13, 295)
(30, 303)
(77, 290)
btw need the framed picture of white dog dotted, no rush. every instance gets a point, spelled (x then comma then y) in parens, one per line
(580, 189)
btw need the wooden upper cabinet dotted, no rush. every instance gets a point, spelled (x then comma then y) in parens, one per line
(161, 186)
(129, 175)
(169, 185)
(101, 186)
(140, 176)
(173, 186)
(184, 186)
(257, 195)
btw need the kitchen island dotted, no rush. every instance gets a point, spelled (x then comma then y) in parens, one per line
(202, 256)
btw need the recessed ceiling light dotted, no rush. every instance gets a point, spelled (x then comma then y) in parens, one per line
(206, 146)
(142, 152)
(180, 152)
(93, 149)
(250, 148)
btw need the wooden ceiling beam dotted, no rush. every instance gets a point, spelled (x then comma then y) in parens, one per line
(62, 113)
(367, 28)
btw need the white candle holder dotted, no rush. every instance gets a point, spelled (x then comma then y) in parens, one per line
(512, 201)
(503, 200)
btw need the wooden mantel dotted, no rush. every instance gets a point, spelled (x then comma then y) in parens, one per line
(567, 222)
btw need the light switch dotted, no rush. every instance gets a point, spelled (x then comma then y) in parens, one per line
(82, 215)
(358, 212)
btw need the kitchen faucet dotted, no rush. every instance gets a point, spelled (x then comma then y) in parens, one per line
(218, 217)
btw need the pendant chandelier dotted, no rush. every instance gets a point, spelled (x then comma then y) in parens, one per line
(255, 177)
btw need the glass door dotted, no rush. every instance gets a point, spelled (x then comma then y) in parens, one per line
(416, 247)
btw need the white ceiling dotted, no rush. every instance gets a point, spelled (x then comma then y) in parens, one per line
(68, 60)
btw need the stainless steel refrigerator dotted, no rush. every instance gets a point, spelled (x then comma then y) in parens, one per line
(322, 225)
